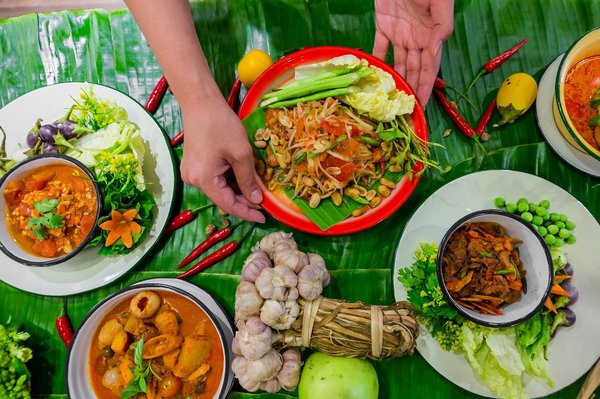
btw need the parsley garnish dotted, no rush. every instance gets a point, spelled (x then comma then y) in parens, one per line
(47, 219)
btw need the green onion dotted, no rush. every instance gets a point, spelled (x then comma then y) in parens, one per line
(504, 271)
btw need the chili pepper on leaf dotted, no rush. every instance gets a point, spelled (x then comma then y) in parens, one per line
(212, 239)
(63, 324)
(211, 259)
(441, 84)
(178, 138)
(485, 118)
(453, 113)
(495, 62)
(157, 95)
(185, 217)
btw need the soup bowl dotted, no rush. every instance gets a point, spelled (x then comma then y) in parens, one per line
(583, 50)
(12, 187)
(84, 375)
(533, 253)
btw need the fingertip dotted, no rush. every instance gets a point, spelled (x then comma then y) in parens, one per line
(255, 196)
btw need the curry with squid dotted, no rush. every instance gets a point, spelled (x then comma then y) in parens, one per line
(482, 269)
(50, 210)
(181, 354)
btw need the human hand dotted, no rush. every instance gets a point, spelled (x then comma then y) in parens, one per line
(215, 143)
(416, 30)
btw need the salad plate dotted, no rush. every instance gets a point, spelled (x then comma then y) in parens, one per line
(579, 160)
(477, 191)
(88, 270)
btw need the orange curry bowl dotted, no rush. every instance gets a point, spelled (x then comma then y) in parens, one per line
(576, 105)
(332, 160)
(150, 325)
(51, 206)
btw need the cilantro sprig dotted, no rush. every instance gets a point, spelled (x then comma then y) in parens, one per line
(47, 219)
(140, 371)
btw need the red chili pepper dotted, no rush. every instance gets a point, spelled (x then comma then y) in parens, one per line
(439, 83)
(232, 100)
(211, 259)
(486, 117)
(495, 62)
(157, 95)
(63, 325)
(453, 113)
(178, 138)
(214, 238)
(184, 218)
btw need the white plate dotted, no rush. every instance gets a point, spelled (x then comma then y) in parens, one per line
(574, 349)
(213, 306)
(87, 270)
(579, 160)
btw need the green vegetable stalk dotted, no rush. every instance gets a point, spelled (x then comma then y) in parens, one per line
(14, 376)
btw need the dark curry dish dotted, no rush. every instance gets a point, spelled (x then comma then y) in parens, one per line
(482, 269)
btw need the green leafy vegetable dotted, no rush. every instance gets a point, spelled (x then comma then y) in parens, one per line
(47, 219)
(95, 113)
(14, 376)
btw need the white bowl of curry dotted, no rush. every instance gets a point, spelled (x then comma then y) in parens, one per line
(51, 205)
(151, 327)
(494, 268)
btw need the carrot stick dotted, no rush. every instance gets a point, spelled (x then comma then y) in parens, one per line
(550, 305)
(558, 290)
(562, 277)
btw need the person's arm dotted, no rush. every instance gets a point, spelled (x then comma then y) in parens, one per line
(215, 140)
(416, 30)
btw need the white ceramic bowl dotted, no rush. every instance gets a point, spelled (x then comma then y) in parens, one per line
(586, 46)
(7, 243)
(77, 375)
(536, 260)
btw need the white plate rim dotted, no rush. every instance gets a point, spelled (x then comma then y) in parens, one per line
(440, 205)
(68, 278)
(545, 120)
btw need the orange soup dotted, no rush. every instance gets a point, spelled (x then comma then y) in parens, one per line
(50, 210)
(582, 81)
(181, 349)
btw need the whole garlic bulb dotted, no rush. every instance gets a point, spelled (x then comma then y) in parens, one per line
(247, 301)
(267, 243)
(289, 375)
(310, 281)
(270, 386)
(290, 257)
(317, 260)
(252, 373)
(279, 315)
(254, 264)
(273, 283)
(253, 338)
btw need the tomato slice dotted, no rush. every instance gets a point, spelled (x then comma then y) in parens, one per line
(334, 127)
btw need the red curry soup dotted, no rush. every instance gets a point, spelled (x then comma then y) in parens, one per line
(582, 85)
(179, 343)
(50, 210)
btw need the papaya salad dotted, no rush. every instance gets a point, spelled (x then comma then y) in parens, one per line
(339, 135)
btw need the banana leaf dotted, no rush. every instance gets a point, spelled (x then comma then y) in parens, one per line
(108, 48)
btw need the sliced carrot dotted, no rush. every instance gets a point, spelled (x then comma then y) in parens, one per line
(562, 277)
(558, 290)
(550, 305)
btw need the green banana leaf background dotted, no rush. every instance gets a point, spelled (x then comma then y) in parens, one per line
(108, 48)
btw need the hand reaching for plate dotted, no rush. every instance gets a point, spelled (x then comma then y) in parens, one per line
(416, 30)
(220, 144)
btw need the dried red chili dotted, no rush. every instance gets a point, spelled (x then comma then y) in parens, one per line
(212, 239)
(63, 325)
(157, 95)
(178, 138)
(185, 217)
(486, 117)
(453, 113)
(211, 259)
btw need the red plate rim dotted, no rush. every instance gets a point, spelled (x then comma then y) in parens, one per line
(278, 73)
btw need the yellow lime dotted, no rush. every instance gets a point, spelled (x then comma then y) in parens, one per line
(252, 65)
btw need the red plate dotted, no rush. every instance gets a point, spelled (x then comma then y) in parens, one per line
(283, 70)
